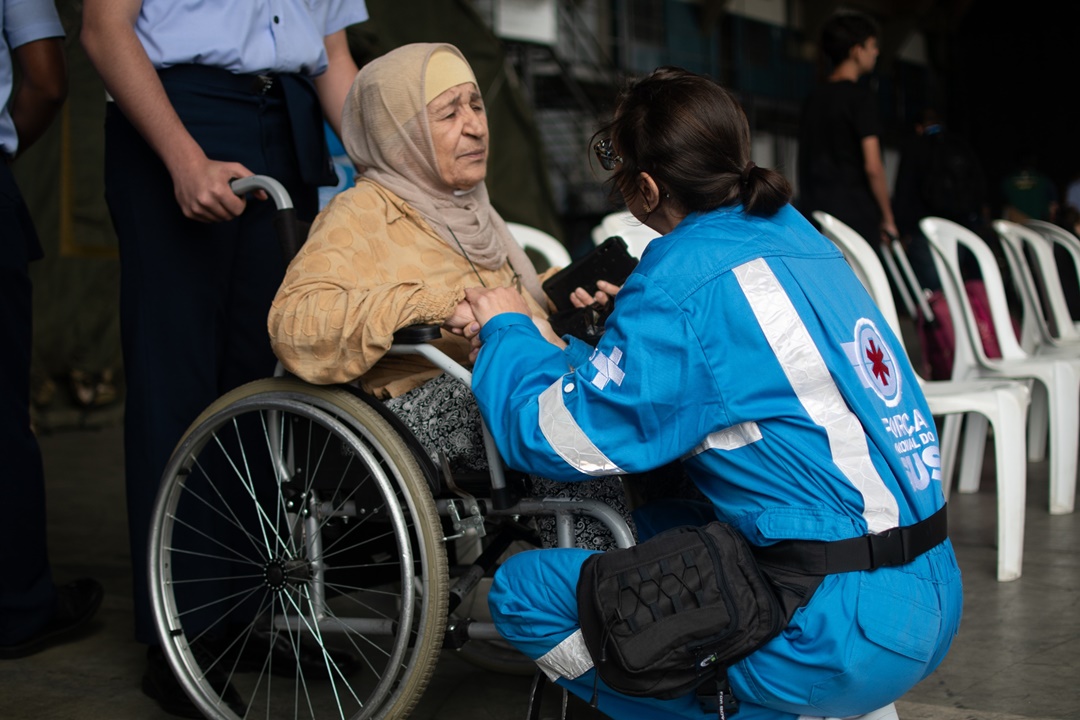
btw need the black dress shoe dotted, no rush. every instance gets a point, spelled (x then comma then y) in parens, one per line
(76, 604)
(160, 684)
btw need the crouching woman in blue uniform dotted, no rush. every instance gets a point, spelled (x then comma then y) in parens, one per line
(744, 346)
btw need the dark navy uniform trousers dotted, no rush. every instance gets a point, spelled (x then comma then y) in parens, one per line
(195, 296)
(27, 594)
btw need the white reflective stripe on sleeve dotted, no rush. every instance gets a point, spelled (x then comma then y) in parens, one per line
(731, 438)
(814, 386)
(567, 439)
(569, 659)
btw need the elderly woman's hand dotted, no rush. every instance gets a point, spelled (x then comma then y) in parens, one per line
(488, 302)
(460, 319)
(604, 292)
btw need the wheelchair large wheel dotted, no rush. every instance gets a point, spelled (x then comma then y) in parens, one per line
(297, 561)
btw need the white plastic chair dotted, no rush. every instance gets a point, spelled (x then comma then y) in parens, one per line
(1039, 333)
(1059, 376)
(553, 252)
(1059, 236)
(636, 234)
(1003, 403)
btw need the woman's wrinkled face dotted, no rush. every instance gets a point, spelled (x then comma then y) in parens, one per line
(459, 131)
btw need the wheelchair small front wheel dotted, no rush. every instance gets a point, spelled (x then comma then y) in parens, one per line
(297, 562)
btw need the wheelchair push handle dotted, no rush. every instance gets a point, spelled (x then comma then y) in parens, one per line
(273, 188)
(289, 231)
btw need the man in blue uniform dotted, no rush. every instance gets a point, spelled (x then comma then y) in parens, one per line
(202, 93)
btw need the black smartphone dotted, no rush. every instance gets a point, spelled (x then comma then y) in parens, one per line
(610, 261)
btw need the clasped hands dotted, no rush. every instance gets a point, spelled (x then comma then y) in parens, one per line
(482, 304)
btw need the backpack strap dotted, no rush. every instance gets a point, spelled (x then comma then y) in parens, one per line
(898, 546)
(715, 696)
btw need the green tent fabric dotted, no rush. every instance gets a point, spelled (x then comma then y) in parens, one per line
(517, 177)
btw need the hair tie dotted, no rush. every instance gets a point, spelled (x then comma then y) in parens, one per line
(745, 177)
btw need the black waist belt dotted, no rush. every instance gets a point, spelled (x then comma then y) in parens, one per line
(266, 84)
(898, 546)
(299, 100)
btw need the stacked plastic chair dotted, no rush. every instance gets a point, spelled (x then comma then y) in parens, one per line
(1054, 378)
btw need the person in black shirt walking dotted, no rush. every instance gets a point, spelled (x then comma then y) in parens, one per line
(840, 169)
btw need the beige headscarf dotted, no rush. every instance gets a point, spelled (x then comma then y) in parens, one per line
(385, 129)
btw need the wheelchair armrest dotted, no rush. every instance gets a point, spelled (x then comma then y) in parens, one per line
(414, 340)
(416, 334)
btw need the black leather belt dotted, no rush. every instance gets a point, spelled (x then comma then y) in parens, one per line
(261, 84)
(898, 546)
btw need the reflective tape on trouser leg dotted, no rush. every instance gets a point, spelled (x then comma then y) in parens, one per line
(569, 659)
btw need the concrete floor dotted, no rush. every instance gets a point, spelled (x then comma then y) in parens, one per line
(1017, 654)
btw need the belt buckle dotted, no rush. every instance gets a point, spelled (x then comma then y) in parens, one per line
(887, 549)
(262, 84)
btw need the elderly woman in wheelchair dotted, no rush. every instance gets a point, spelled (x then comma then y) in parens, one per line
(400, 248)
(331, 494)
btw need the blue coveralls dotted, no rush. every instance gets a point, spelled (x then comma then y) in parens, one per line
(746, 347)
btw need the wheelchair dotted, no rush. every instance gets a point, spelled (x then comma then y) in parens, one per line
(306, 554)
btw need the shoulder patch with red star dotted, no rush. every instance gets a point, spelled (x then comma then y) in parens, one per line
(874, 361)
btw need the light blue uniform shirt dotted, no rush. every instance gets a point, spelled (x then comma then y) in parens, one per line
(244, 36)
(21, 22)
